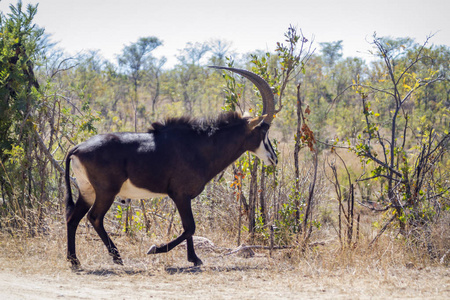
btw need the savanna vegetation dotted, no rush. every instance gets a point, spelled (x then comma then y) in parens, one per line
(363, 145)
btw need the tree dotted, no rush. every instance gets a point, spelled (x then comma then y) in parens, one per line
(193, 53)
(133, 59)
(331, 52)
(278, 71)
(18, 83)
(19, 97)
(219, 49)
(155, 79)
(407, 157)
(37, 123)
(190, 75)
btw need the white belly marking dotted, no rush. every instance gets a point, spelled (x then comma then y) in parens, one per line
(129, 190)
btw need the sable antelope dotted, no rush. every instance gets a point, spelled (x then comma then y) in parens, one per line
(175, 158)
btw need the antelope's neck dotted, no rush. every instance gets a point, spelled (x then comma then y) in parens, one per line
(226, 149)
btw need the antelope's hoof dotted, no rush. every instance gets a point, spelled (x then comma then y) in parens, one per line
(152, 250)
(75, 263)
(197, 262)
(118, 260)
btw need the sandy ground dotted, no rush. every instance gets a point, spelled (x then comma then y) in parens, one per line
(36, 268)
(220, 278)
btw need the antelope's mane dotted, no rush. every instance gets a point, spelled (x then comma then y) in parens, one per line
(199, 125)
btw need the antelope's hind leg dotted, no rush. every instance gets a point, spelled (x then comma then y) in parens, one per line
(96, 215)
(73, 218)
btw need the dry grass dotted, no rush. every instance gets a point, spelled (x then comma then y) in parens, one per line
(38, 269)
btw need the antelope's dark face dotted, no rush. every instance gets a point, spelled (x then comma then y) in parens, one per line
(265, 152)
(262, 147)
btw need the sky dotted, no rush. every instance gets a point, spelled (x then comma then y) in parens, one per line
(107, 26)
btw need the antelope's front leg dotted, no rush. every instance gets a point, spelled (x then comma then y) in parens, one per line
(187, 218)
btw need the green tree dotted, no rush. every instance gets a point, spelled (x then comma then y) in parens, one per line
(154, 81)
(18, 45)
(19, 98)
(190, 76)
(192, 54)
(331, 52)
(133, 59)
(220, 49)
(37, 123)
(408, 158)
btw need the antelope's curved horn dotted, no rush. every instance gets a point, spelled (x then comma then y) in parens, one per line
(263, 87)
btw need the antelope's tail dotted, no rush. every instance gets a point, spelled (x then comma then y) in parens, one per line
(70, 204)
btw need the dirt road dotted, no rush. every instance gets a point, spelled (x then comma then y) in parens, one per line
(35, 268)
(211, 282)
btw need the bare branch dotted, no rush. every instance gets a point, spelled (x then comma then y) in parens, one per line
(50, 157)
(421, 84)
(377, 176)
(375, 89)
(70, 102)
(382, 230)
(64, 69)
(416, 60)
(369, 155)
(373, 207)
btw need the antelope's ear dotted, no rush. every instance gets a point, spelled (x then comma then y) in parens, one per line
(252, 123)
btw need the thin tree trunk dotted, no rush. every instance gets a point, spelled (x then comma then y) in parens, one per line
(350, 205)
(135, 104)
(252, 199)
(262, 199)
(144, 212)
(155, 97)
(310, 202)
(296, 163)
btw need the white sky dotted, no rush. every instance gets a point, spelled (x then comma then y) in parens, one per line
(249, 24)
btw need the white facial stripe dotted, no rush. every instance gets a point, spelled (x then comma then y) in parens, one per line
(270, 149)
(267, 144)
(265, 152)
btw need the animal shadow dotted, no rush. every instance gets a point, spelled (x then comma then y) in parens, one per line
(111, 272)
(215, 269)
